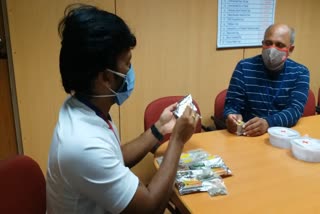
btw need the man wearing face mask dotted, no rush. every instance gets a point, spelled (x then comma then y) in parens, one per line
(269, 89)
(88, 168)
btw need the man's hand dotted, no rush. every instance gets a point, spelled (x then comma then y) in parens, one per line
(185, 126)
(167, 120)
(255, 127)
(231, 122)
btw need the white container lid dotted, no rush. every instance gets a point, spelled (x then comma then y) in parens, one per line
(280, 136)
(307, 143)
(306, 149)
(283, 132)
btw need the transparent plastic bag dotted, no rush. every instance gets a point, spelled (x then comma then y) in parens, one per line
(217, 187)
(202, 180)
(199, 171)
(200, 159)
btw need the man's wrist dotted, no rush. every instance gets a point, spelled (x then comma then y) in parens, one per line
(159, 127)
(156, 133)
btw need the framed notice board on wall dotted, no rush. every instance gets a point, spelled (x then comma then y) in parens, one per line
(241, 23)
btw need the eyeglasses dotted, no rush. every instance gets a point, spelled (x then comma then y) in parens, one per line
(270, 43)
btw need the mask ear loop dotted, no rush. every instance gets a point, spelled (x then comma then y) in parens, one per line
(104, 95)
(114, 93)
(117, 73)
(124, 76)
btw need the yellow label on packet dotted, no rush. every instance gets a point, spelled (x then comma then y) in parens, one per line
(184, 155)
(185, 158)
(211, 157)
(239, 122)
(192, 182)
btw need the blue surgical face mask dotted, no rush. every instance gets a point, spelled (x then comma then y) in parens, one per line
(125, 89)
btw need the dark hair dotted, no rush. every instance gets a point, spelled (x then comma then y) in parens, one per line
(92, 39)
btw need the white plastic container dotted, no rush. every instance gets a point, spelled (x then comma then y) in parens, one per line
(306, 149)
(281, 136)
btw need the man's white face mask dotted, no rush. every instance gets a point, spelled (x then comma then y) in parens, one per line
(274, 58)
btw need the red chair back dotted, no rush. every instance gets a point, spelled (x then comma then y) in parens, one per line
(218, 109)
(219, 104)
(310, 107)
(156, 107)
(22, 186)
(319, 97)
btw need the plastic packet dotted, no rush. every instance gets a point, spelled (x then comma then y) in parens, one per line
(199, 171)
(192, 157)
(240, 127)
(217, 188)
(200, 159)
(188, 181)
(214, 162)
(189, 158)
(182, 104)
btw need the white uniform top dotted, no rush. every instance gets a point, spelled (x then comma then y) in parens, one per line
(86, 171)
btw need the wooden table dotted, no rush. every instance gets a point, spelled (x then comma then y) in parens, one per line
(265, 179)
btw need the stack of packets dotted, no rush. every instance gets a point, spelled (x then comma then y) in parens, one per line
(199, 171)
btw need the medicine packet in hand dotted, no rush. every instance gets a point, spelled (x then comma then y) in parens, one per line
(240, 127)
(182, 104)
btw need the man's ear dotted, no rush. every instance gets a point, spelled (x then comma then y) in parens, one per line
(107, 77)
(291, 49)
(104, 78)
